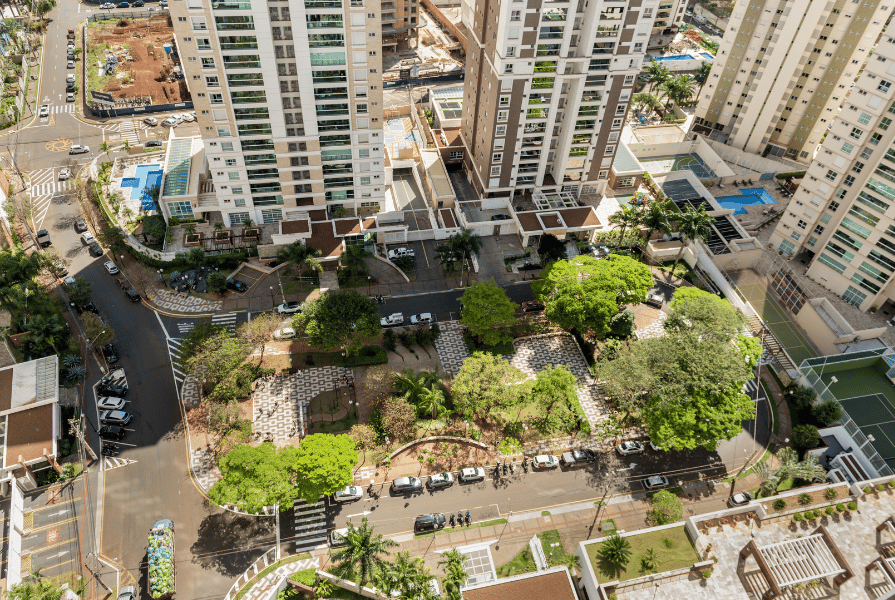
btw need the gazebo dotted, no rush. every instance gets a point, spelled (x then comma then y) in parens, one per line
(799, 560)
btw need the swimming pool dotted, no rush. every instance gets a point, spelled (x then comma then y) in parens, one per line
(706, 56)
(673, 57)
(747, 197)
(146, 177)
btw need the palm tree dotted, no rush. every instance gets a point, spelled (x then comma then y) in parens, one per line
(35, 587)
(453, 563)
(409, 575)
(432, 401)
(678, 89)
(353, 257)
(45, 331)
(410, 385)
(646, 101)
(702, 75)
(301, 255)
(658, 74)
(616, 551)
(692, 225)
(790, 467)
(106, 149)
(126, 146)
(655, 218)
(628, 216)
(364, 553)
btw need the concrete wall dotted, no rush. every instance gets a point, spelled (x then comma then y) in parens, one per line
(752, 161)
(719, 22)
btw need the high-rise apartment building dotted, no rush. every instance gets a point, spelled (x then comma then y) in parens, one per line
(399, 19)
(669, 16)
(842, 218)
(783, 70)
(547, 89)
(288, 95)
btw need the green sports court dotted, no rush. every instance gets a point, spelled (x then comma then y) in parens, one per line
(754, 288)
(862, 383)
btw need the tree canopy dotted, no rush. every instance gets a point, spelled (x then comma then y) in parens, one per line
(323, 464)
(255, 477)
(343, 318)
(488, 312)
(704, 315)
(485, 383)
(585, 293)
(553, 392)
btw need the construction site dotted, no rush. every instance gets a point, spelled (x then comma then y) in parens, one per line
(438, 48)
(135, 61)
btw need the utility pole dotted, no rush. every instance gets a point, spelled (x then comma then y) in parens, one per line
(95, 574)
(78, 432)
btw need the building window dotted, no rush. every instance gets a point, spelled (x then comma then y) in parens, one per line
(858, 166)
(847, 147)
(515, 15)
(500, 130)
(854, 297)
(849, 179)
(497, 157)
(457, 155)
(495, 171)
(786, 247)
(504, 101)
(271, 215)
(503, 115)
(866, 152)
(832, 175)
(227, 146)
(511, 51)
(238, 218)
(795, 235)
(801, 224)
(180, 209)
(856, 133)
(811, 241)
(883, 85)
(819, 229)
(864, 119)
(239, 202)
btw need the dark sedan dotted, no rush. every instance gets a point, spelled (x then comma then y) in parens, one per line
(110, 353)
(576, 457)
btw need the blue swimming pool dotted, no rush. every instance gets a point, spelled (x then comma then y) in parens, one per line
(747, 197)
(674, 57)
(146, 177)
(706, 56)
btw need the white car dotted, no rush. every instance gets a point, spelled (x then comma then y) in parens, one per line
(107, 403)
(71, 64)
(349, 494)
(70, 78)
(392, 320)
(193, 114)
(629, 448)
(337, 537)
(70, 97)
(287, 333)
(68, 281)
(151, 121)
(169, 123)
(64, 173)
(187, 117)
(44, 111)
(422, 318)
(177, 118)
(107, 5)
(471, 474)
(79, 149)
(111, 269)
(400, 253)
(87, 238)
(288, 308)
(544, 461)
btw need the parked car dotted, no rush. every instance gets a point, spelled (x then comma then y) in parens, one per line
(132, 295)
(440, 480)
(59, 268)
(80, 225)
(151, 121)
(533, 306)
(655, 447)
(124, 5)
(176, 118)
(351, 493)
(107, 403)
(501, 217)
(431, 522)
(44, 111)
(69, 281)
(392, 320)
(87, 238)
(89, 307)
(43, 238)
(235, 284)
(286, 333)
(137, 3)
(629, 448)
(472, 474)
(655, 300)
(110, 353)
(402, 485)
(107, 5)
(655, 482)
(111, 268)
(189, 118)
(153, 144)
(544, 461)
(114, 417)
(70, 97)
(288, 308)
(169, 123)
(112, 388)
(128, 592)
(576, 457)
(78, 148)
(422, 318)
(401, 253)
(111, 432)
(64, 173)
(338, 537)
(739, 499)
(95, 249)
(71, 64)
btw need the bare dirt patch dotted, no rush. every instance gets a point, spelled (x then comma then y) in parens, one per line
(144, 68)
(446, 455)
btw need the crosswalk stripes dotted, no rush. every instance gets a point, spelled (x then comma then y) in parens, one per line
(50, 188)
(44, 186)
(309, 525)
(750, 388)
(185, 327)
(113, 462)
(62, 108)
(129, 132)
(174, 354)
(228, 320)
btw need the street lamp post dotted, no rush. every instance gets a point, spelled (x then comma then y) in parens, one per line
(369, 284)
(272, 302)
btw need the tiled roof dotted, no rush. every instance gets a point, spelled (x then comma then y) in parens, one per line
(323, 238)
(295, 226)
(532, 586)
(28, 433)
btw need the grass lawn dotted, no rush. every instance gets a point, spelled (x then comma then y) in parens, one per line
(608, 526)
(673, 549)
(556, 555)
(523, 562)
(499, 350)
(339, 426)
(297, 286)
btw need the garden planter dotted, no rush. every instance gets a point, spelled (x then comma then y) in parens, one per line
(192, 239)
(251, 234)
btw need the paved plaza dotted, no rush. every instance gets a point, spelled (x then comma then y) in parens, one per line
(182, 303)
(654, 329)
(204, 468)
(450, 347)
(536, 354)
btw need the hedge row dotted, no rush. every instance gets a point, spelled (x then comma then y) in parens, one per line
(368, 355)
(790, 174)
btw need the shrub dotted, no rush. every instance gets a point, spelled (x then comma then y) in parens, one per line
(868, 489)
(852, 506)
(804, 498)
(667, 508)
(805, 436)
(706, 574)
(809, 515)
(880, 487)
(306, 577)
(840, 507)
(368, 355)
(829, 510)
(779, 503)
(830, 493)
(797, 517)
(390, 340)
(827, 412)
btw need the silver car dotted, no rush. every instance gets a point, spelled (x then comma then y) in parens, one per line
(655, 482)
(127, 592)
(471, 474)
(349, 494)
(629, 448)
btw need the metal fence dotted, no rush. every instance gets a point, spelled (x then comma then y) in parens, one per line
(143, 14)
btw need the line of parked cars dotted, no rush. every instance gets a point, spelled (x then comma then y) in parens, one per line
(173, 120)
(110, 393)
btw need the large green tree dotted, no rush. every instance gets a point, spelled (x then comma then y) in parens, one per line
(339, 319)
(303, 256)
(553, 393)
(453, 563)
(35, 587)
(323, 464)
(488, 313)
(363, 554)
(656, 217)
(255, 477)
(585, 293)
(485, 384)
(216, 361)
(79, 291)
(704, 315)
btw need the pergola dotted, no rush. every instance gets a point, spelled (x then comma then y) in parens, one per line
(886, 565)
(799, 560)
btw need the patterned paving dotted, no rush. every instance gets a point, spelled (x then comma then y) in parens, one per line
(265, 586)
(654, 329)
(206, 472)
(189, 393)
(450, 347)
(280, 404)
(538, 353)
(182, 303)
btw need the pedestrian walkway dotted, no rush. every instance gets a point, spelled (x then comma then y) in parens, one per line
(56, 109)
(182, 303)
(130, 132)
(654, 329)
(113, 462)
(204, 468)
(227, 320)
(309, 525)
(44, 185)
(450, 347)
(174, 351)
(263, 588)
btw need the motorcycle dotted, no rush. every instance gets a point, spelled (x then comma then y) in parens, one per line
(467, 517)
(452, 520)
(524, 465)
(504, 467)
(512, 467)
(459, 517)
